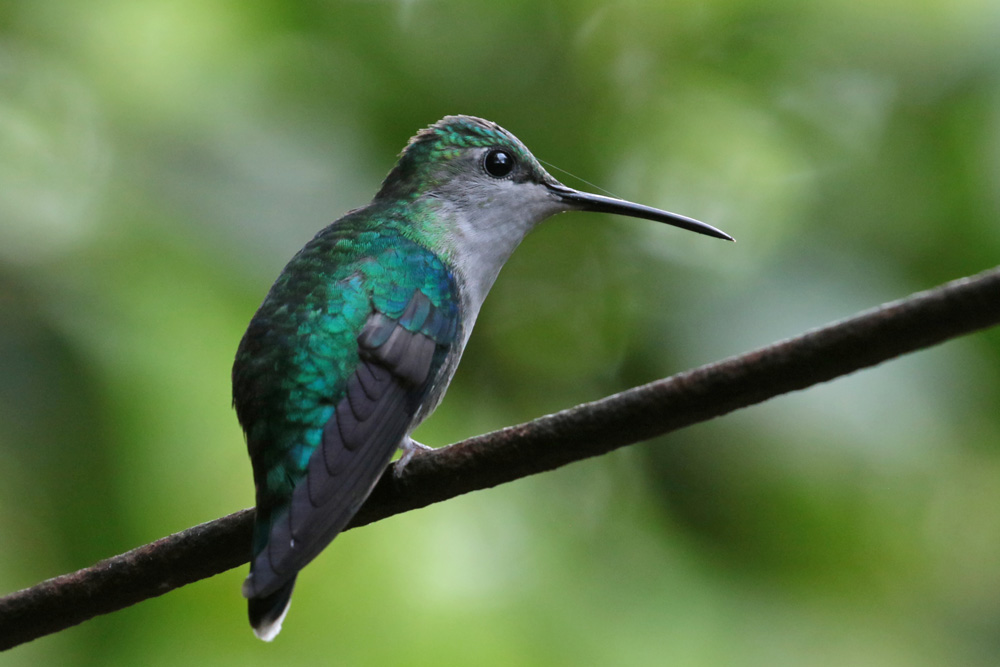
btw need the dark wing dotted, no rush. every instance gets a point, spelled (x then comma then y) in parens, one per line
(399, 359)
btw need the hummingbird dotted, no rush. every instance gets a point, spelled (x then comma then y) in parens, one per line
(360, 335)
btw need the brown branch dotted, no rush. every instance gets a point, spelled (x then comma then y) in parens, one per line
(919, 321)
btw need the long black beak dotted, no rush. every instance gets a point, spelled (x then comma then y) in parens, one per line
(585, 201)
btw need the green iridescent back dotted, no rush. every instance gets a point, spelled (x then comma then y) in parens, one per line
(301, 348)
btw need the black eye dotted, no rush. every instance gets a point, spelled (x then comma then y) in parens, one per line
(498, 162)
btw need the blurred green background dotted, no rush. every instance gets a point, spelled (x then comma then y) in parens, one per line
(160, 160)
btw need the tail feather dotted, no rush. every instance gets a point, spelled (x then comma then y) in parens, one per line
(267, 612)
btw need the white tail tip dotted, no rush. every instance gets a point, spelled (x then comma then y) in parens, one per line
(267, 631)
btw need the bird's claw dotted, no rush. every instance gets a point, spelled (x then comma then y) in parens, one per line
(409, 447)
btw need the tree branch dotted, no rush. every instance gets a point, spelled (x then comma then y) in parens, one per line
(919, 321)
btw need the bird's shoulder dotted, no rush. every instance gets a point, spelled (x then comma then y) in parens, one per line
(302, 344)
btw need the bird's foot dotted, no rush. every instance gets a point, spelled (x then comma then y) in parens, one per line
(409, 447)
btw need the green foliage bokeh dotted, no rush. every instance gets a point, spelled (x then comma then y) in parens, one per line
(161, 160)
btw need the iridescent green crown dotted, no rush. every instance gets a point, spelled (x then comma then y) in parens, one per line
(441, 142)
